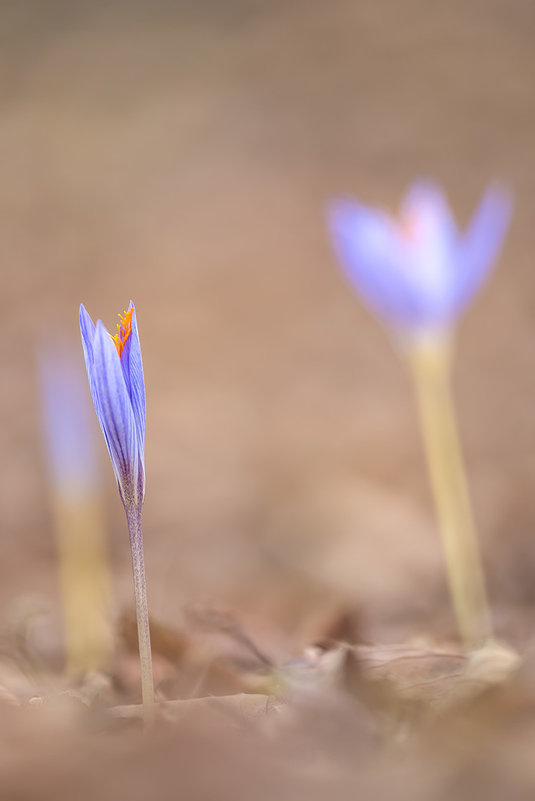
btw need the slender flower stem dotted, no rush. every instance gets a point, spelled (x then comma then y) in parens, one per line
(431, 372)
(133, 516)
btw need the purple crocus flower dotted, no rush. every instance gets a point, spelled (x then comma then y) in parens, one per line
(419, 272)
(115, 373)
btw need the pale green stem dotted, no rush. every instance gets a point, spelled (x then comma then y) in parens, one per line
(133, 516)
(431, 371)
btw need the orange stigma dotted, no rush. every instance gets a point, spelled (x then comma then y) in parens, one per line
(410, 227)
(124, 329)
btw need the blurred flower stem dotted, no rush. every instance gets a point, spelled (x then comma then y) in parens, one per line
(84, 578)
(430, 363)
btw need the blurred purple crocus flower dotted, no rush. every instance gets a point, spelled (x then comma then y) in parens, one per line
(67, 425)
(419, 272)
(115, 373)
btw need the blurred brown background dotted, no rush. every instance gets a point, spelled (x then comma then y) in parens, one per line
(181, 154)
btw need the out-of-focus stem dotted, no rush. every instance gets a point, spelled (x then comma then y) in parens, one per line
(133, 516)
(430, 364)
(84, 580)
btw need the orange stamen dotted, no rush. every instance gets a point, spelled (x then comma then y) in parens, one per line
(410, 226)
(124, 329)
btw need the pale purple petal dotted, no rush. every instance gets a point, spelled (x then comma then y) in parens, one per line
(432, 239)
(480, 246)
(426, 209)
(87, 330)
(378, 262)
(114, 411)
(133, 374)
